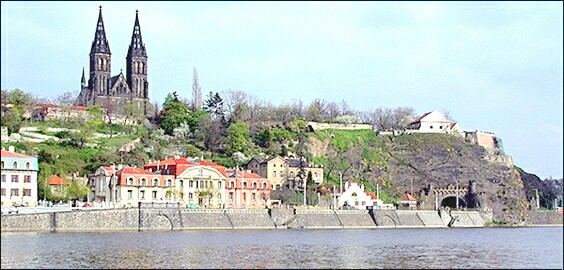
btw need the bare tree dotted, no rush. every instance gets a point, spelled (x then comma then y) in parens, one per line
(196, 92)
(331, 111)
(236, 105)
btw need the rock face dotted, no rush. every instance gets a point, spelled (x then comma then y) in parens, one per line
(425, 163)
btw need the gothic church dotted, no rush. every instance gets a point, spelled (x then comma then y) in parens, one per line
(104, 89)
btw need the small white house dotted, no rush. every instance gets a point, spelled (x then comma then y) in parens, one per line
(431, 122)
(355, 197)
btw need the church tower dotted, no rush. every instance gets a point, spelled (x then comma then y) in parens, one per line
(136, 61)
(100, 61)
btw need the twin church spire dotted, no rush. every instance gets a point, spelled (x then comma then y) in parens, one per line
(101, 85)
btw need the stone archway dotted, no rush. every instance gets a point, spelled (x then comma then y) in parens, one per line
(450, 201)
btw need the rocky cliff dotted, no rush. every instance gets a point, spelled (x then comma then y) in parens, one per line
(429, 164)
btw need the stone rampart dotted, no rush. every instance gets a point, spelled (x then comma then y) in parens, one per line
(355, 218)
(188, 219)
(315, 219)
(409, 218)
(246, 219)
(546, 217)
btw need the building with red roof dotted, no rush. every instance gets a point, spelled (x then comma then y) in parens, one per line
(431, 122)
(246, 189)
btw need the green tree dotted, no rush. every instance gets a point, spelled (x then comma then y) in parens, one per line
(237, 134)
(214, 105)
(77, 190)
(13, 112)
(174, 113)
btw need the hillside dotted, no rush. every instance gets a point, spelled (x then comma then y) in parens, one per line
(418, 161)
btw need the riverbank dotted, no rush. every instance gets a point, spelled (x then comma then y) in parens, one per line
(145, 219)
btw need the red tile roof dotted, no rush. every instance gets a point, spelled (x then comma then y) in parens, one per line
(407, 197)
(56, 180)
(372, 195)
(241, 174)
(132, 170)
(9, 154)
(418, 119)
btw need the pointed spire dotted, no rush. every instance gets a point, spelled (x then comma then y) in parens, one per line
(83, 81)
(100, 43)
(137, 48)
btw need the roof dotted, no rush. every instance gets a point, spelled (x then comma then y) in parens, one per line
(48, 105)
(372, 195)
(232, 173)
(8, 154)
(56, 180)
(132, 170)
(407, 197)
(418, 119)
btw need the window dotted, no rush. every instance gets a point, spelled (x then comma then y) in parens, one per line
(274, 165)
(130, 181)
(254, 185)
(15, 165)
(168, 183)
(191, 183)
(264, 185)
(230, 195)
(431, 127)
(218, 184)
(253, 196)
(143, 181)
(27, 192)
(2, 165)
(291, 174)
(27, 165)
(142, 194)
(3, 192)
(181, 195)
(281, 173)
(3, 178)
(440, 127)
(15, 178)
(231, 184)
(155, 182)
(244, 196)
(181, 183)
(196, 184)
(244, 184)
(130, 194)
(201, 184)
(154, 194)
(14, 192)
(190, 196)
(315, 174)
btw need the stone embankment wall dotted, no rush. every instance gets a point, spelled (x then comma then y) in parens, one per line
(187, 219)
(546, 218)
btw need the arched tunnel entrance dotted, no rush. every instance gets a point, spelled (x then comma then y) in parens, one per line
(450, 201)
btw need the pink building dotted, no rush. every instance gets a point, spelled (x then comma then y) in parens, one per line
(246, 189)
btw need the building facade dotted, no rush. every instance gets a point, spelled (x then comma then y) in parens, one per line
(19, 178)
(106, 90)
(246, 189)
(280, 171)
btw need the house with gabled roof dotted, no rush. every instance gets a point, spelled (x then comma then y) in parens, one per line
(430, 122)
(407, 201)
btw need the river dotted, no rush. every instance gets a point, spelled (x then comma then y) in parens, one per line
(524, 247)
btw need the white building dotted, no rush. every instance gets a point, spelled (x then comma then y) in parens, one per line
(431, 122)
(19, 178)
(355, 197)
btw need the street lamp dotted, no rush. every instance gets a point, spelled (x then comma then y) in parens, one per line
(457, 194)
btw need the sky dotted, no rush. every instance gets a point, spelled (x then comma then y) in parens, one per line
(493, 66)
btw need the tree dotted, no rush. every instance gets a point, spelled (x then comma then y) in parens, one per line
(196, 92)
(174, 114)
(236, 105)
(14, 105)
(77, 190)
(133, 114)
(237, 134)
(214, 105)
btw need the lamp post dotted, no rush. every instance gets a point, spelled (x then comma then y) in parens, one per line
(340, 183)
(457, 194)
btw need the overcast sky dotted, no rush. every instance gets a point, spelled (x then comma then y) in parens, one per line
(494, 66)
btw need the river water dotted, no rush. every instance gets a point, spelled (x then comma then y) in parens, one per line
(525, 247)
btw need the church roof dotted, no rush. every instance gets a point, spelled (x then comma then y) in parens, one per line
(100, 43)
(137, 48)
